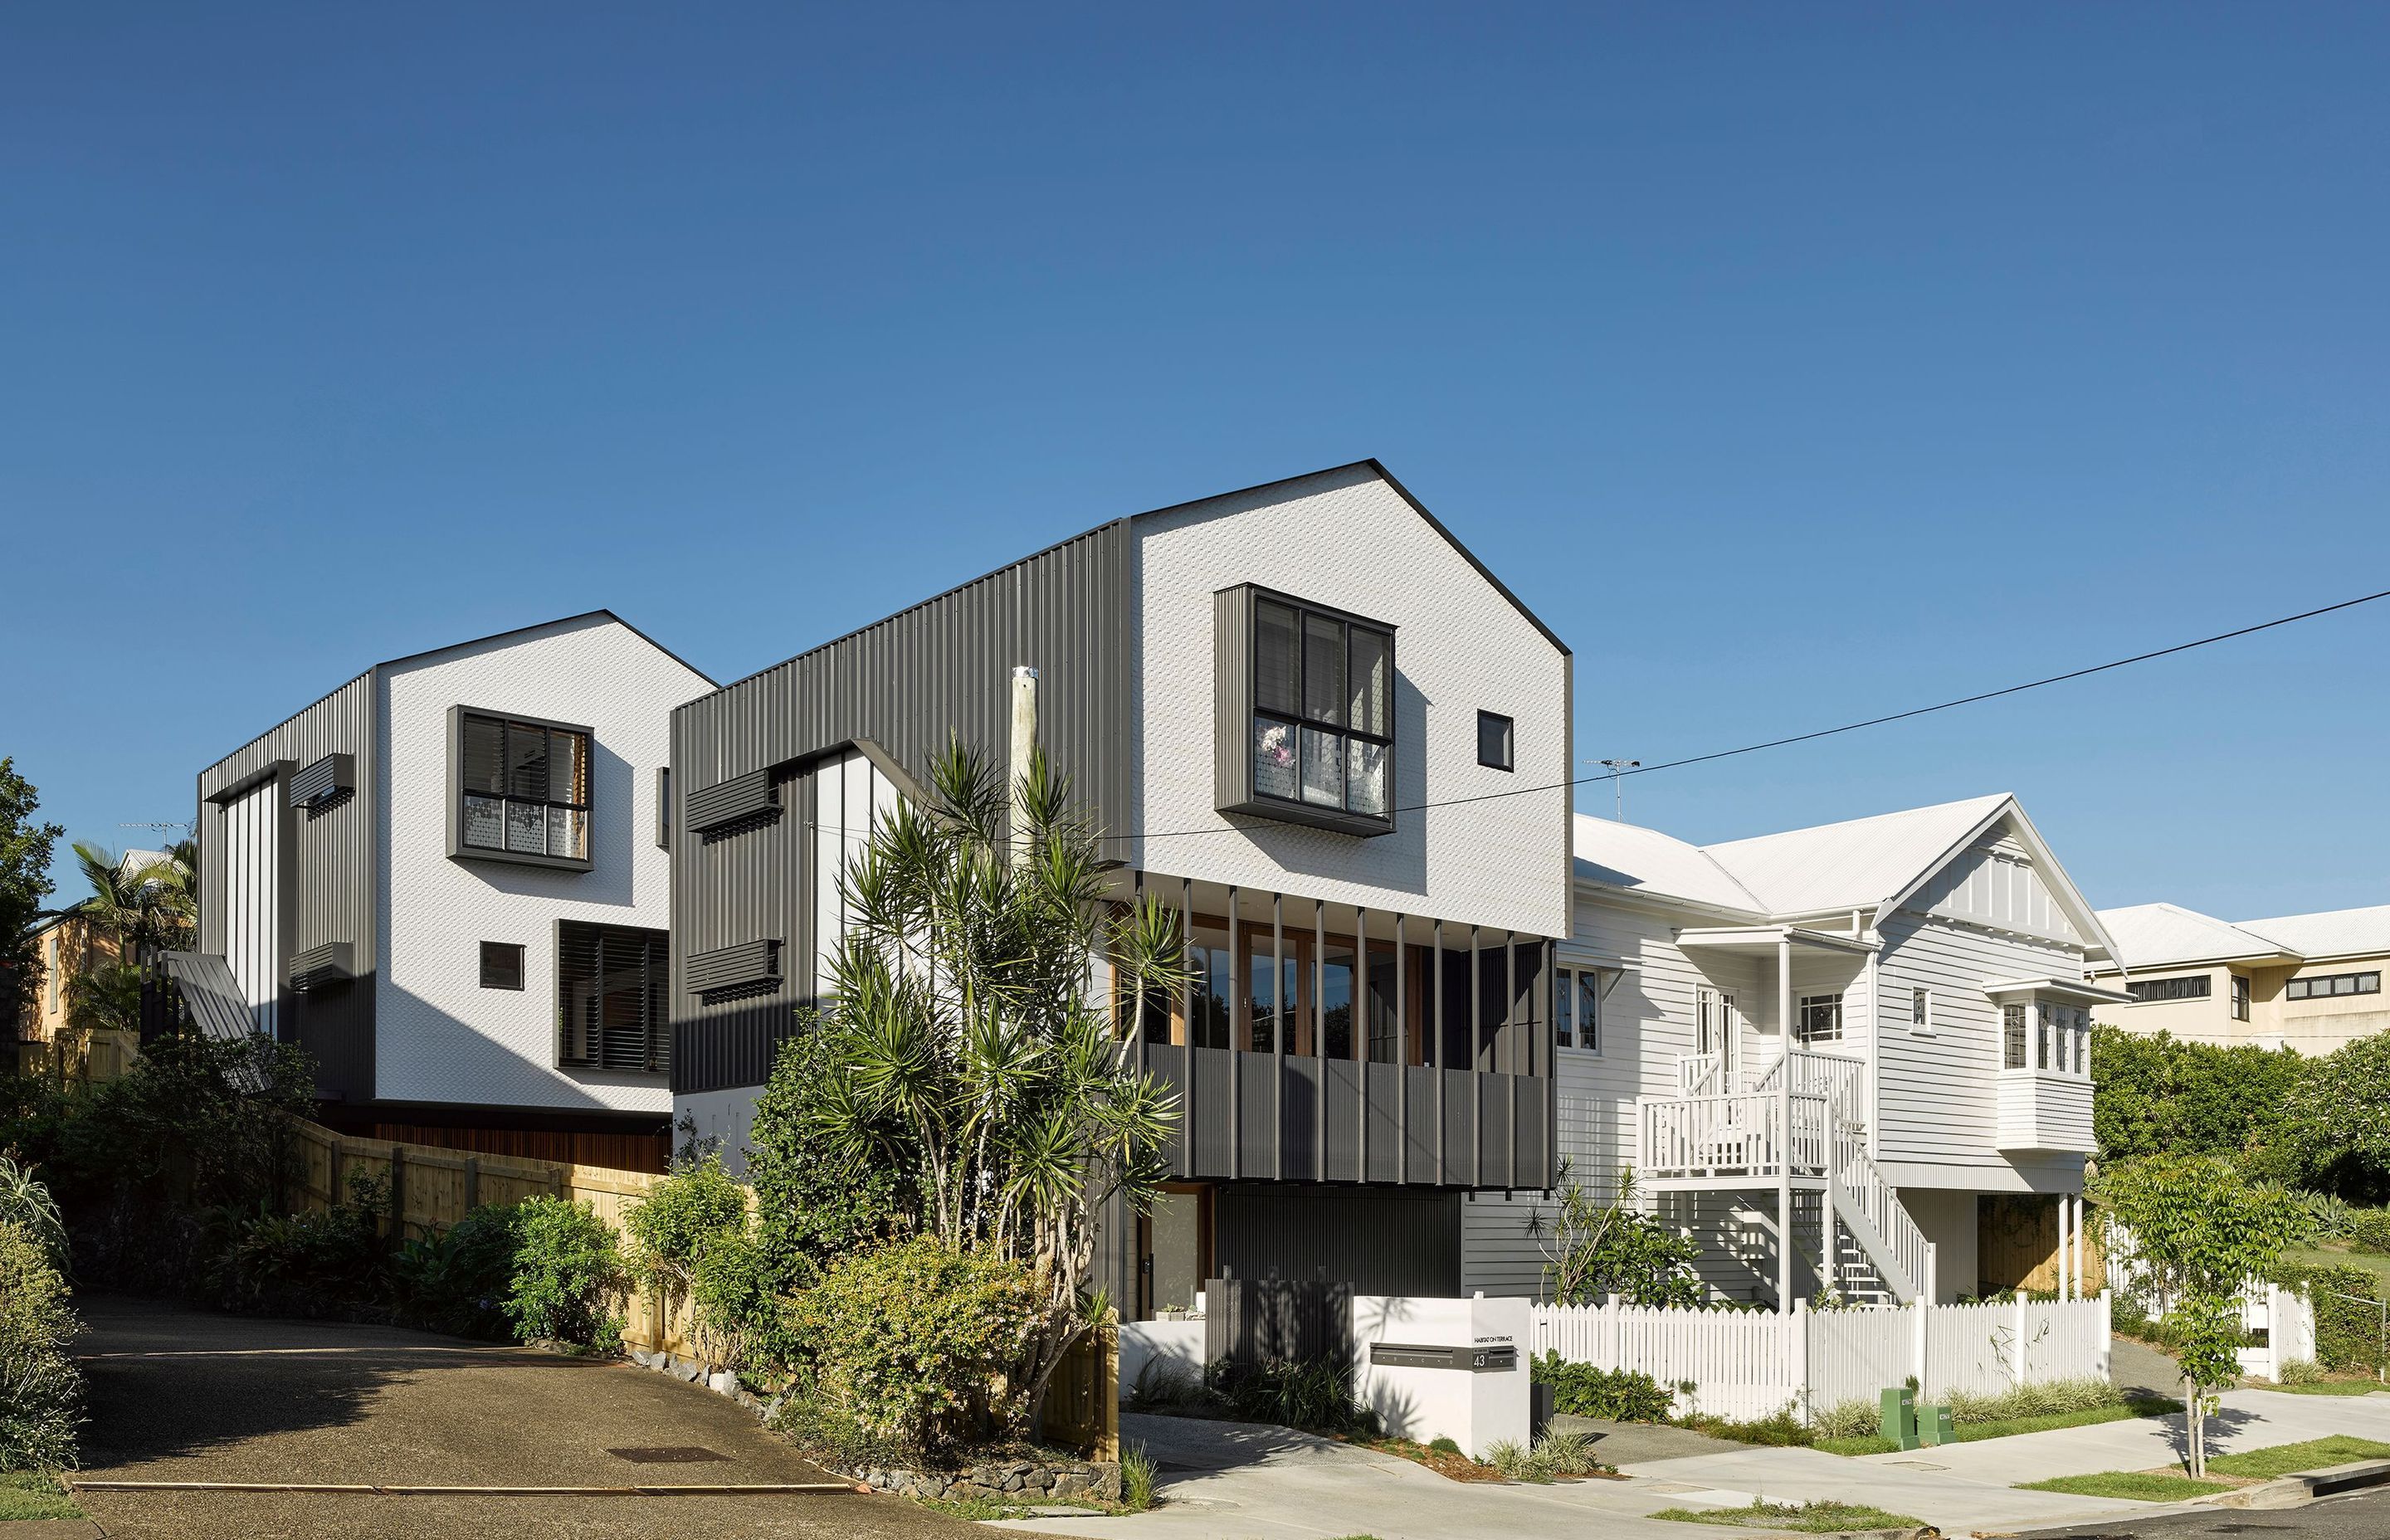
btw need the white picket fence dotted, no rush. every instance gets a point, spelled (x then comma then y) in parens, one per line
(1747, 1363)
(2288, 1322)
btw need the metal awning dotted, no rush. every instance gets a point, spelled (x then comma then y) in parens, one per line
(213, 995)
(1759, 941)
(2073, 991)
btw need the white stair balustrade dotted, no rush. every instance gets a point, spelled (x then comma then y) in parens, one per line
(1877, 1220)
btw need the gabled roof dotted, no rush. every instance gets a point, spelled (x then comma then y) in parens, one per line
(2166, 935)
(1858, 864)
(1638, 860)
(1874, 864)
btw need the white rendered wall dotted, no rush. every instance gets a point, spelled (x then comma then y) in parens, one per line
(1348, 540)
(439, 1036)
(252, 855)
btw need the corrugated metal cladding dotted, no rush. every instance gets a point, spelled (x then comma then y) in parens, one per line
(904, 684)
(1381, 1242)
(325, 891)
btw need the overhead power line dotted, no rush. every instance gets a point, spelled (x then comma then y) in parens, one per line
(1845, 727)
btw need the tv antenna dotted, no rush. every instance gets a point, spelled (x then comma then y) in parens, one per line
(1617, 767)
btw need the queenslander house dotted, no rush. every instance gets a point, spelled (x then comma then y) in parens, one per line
(1318, 729)
(1853, 1057)
(444, 880)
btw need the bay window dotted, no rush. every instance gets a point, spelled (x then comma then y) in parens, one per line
(518, 789)
(1305, 713)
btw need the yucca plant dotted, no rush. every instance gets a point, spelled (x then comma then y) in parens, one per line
(967, 1043)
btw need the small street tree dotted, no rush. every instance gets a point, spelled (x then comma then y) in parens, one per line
(2196, 1233)
(968, 1047)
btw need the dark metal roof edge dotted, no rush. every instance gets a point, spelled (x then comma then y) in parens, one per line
(1372, 464)
(451, 646)
(1466, 554)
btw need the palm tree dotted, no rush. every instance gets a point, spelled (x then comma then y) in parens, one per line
(968, 1047)
(141, 907)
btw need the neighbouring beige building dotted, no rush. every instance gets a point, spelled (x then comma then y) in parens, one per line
(2307, 981)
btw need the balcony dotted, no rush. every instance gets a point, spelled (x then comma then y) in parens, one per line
(2045, 1110)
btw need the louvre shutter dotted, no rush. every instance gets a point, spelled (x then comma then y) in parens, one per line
(482, 756)
(577, 992)
(612, 983)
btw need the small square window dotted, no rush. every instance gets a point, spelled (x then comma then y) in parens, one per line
(1493, 741)
(502, 965)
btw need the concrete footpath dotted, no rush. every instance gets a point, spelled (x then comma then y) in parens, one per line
(1223, 1480)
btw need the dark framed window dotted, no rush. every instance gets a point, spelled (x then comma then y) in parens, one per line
(1821, 1019)
(522, 790)
(2324, 985)
(502, 965)
(2239, 998)
(2196, 987)
(1494, 742)
(1303, 712)
(610, 989)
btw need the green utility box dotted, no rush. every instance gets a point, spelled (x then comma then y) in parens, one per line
(1899, 1419)
(1933, 1422)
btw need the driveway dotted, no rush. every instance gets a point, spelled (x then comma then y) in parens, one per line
(181, 1396)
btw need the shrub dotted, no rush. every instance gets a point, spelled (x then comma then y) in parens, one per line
(40, 1393)
(2046, 1399)
(1847, 1419)
(1313, 1393)
(2366, 1230)
(2299, 1371)
(1780, 1428)
(2348, 1330)
(906, 1344)
(458, 1280)
(1622, 1395)
(328, 1261)
(1552, 1455)
(680, 1217)
(691, 1238)
(568, 1276)
(813, 1208)
(28, 1202)
(1137, 1471)
(1445, 1445)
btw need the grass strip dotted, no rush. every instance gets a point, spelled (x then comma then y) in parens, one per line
(2139, 1486)
(34, 1495)
(1969, 1432)
(1817, 1518)
(2330, 1387)
(2281, 1459)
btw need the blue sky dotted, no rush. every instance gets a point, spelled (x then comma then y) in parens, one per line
(1796, 363)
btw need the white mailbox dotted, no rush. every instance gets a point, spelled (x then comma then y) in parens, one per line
(1450, 1368)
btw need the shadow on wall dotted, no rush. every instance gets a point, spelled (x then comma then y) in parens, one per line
(613, 799)
(428, 1055)
(1397, 861)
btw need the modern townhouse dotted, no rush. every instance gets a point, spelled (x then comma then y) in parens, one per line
(1317, 728)
(445, 881)
(2312, 983)
(1878, 1027)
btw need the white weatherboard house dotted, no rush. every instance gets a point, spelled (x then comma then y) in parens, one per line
(445, 881)
(1877, 1026)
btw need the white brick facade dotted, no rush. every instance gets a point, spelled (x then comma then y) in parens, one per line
(1349, 540)
(439, 1036)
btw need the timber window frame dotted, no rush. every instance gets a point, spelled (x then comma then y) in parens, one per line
(1303, 712)
(612, 998)
(1821, 1019)
(504, 801)
(1576, 1006)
